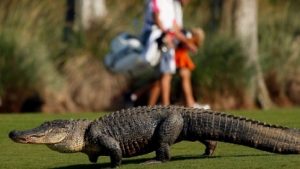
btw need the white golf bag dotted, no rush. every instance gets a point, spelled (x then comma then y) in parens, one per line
(126, 56)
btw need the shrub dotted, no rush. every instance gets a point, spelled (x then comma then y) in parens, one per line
(29, 46)
(221, 68)
(279, 37)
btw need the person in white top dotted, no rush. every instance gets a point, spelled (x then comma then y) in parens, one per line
(163, 17)
(159, 18)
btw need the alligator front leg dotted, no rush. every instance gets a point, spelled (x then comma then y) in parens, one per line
(112, 148)
(168, 133)
(93, 158)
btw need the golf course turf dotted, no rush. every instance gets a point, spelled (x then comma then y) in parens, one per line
(184, 154)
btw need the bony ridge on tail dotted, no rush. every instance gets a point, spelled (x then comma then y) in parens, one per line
(142, 130)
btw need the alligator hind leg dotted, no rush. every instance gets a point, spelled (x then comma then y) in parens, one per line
(210, 147)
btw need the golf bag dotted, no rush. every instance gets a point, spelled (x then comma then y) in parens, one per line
(126, 56)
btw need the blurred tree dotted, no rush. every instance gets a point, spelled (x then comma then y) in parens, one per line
(245, 28)
(216, 9)
(226, 25)
(239, 18)
(69, 19)
(70, 12)
(90, 11)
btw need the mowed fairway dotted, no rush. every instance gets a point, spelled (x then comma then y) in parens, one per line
(184, 155)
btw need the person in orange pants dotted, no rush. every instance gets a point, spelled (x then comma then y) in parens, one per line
(185, 66)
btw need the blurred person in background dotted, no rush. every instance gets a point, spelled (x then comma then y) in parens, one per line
(185, 65)
(164, 19)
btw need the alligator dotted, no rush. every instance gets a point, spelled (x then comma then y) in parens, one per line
(141, 130)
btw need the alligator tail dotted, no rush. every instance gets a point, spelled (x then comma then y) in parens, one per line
(243, 131)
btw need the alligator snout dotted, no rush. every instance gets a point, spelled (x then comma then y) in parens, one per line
(13, 134)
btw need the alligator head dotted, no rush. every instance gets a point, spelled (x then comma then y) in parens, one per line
(60, 135)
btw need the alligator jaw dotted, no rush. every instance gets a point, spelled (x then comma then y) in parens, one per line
(64, 136)
(48, 133)
(25, 138)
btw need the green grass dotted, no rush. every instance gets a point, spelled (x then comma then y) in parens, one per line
(185, 154)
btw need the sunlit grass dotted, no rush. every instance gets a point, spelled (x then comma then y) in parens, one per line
(185, 154)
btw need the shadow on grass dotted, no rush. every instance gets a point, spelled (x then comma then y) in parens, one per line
(142, 160)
